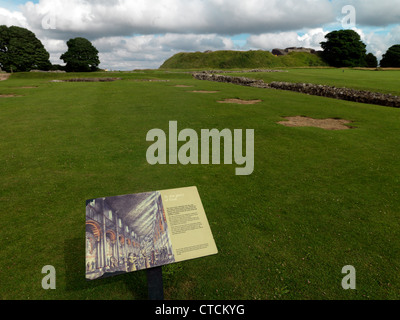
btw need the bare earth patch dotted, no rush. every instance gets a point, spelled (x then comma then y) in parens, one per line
(88, 80)
(148, 80)
(240, 101)
(203, 91)
(182, 86)
(4, 76)
(8, 95)
(26, 87)
(326, 124)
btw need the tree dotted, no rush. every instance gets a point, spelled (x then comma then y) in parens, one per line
(81, 56)
(371, 61)
(392, 57)
(344, 48)
(20, 50)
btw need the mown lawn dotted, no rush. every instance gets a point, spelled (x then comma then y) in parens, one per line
(387, 81)
(317, 200)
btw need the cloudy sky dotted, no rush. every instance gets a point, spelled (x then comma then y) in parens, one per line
(137, 34)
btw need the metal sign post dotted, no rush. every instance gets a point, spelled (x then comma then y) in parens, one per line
(155, 283)
(144, 231)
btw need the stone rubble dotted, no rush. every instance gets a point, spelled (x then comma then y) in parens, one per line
(360, 96)
(243, 81)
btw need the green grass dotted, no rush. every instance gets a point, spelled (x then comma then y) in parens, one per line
(381, 81)
(226, 59)
(317, 200)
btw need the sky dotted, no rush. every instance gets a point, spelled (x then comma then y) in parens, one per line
(142, 34)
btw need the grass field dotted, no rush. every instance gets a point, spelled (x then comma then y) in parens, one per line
(317, 200)
(380, 81)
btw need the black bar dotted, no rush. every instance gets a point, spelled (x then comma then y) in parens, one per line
(155, 283)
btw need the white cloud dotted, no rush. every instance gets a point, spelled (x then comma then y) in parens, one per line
(268, 41)
(12, 18)
(125, 17)
(143, 33)
(55, 48)
(378, 43)
(372, 12)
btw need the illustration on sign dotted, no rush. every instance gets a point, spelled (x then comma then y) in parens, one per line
(140, 231)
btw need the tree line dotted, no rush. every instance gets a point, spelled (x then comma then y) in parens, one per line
(344, 48)
(21, 50)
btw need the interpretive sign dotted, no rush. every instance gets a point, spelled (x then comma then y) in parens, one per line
(145, 230)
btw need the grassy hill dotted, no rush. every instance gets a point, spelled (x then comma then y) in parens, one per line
(240, 59)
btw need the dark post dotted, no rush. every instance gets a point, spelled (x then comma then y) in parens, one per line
(155, 283)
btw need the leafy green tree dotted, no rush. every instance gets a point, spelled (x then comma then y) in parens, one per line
(371, 60)
(81, 56)
(344, 48)
(392, 57)
(20, 50)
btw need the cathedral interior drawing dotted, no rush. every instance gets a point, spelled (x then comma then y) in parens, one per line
(125, 234)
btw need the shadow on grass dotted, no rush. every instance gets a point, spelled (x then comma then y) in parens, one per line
(74, 255)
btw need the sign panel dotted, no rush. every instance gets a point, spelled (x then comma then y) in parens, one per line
(145, 230)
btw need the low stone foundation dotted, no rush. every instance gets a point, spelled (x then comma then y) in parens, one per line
(245, 71)
(242, 81)
(92, 79)
(361, 96)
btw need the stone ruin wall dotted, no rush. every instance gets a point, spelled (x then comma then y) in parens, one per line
(360, 96)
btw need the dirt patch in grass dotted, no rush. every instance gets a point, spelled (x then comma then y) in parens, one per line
(92, 79)
(326, 124)
(204, 91)
(88, 80)
(240, 101)
(8, 96)
(148, 80)
(4, 76)
(26, 87)
(183, 86)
